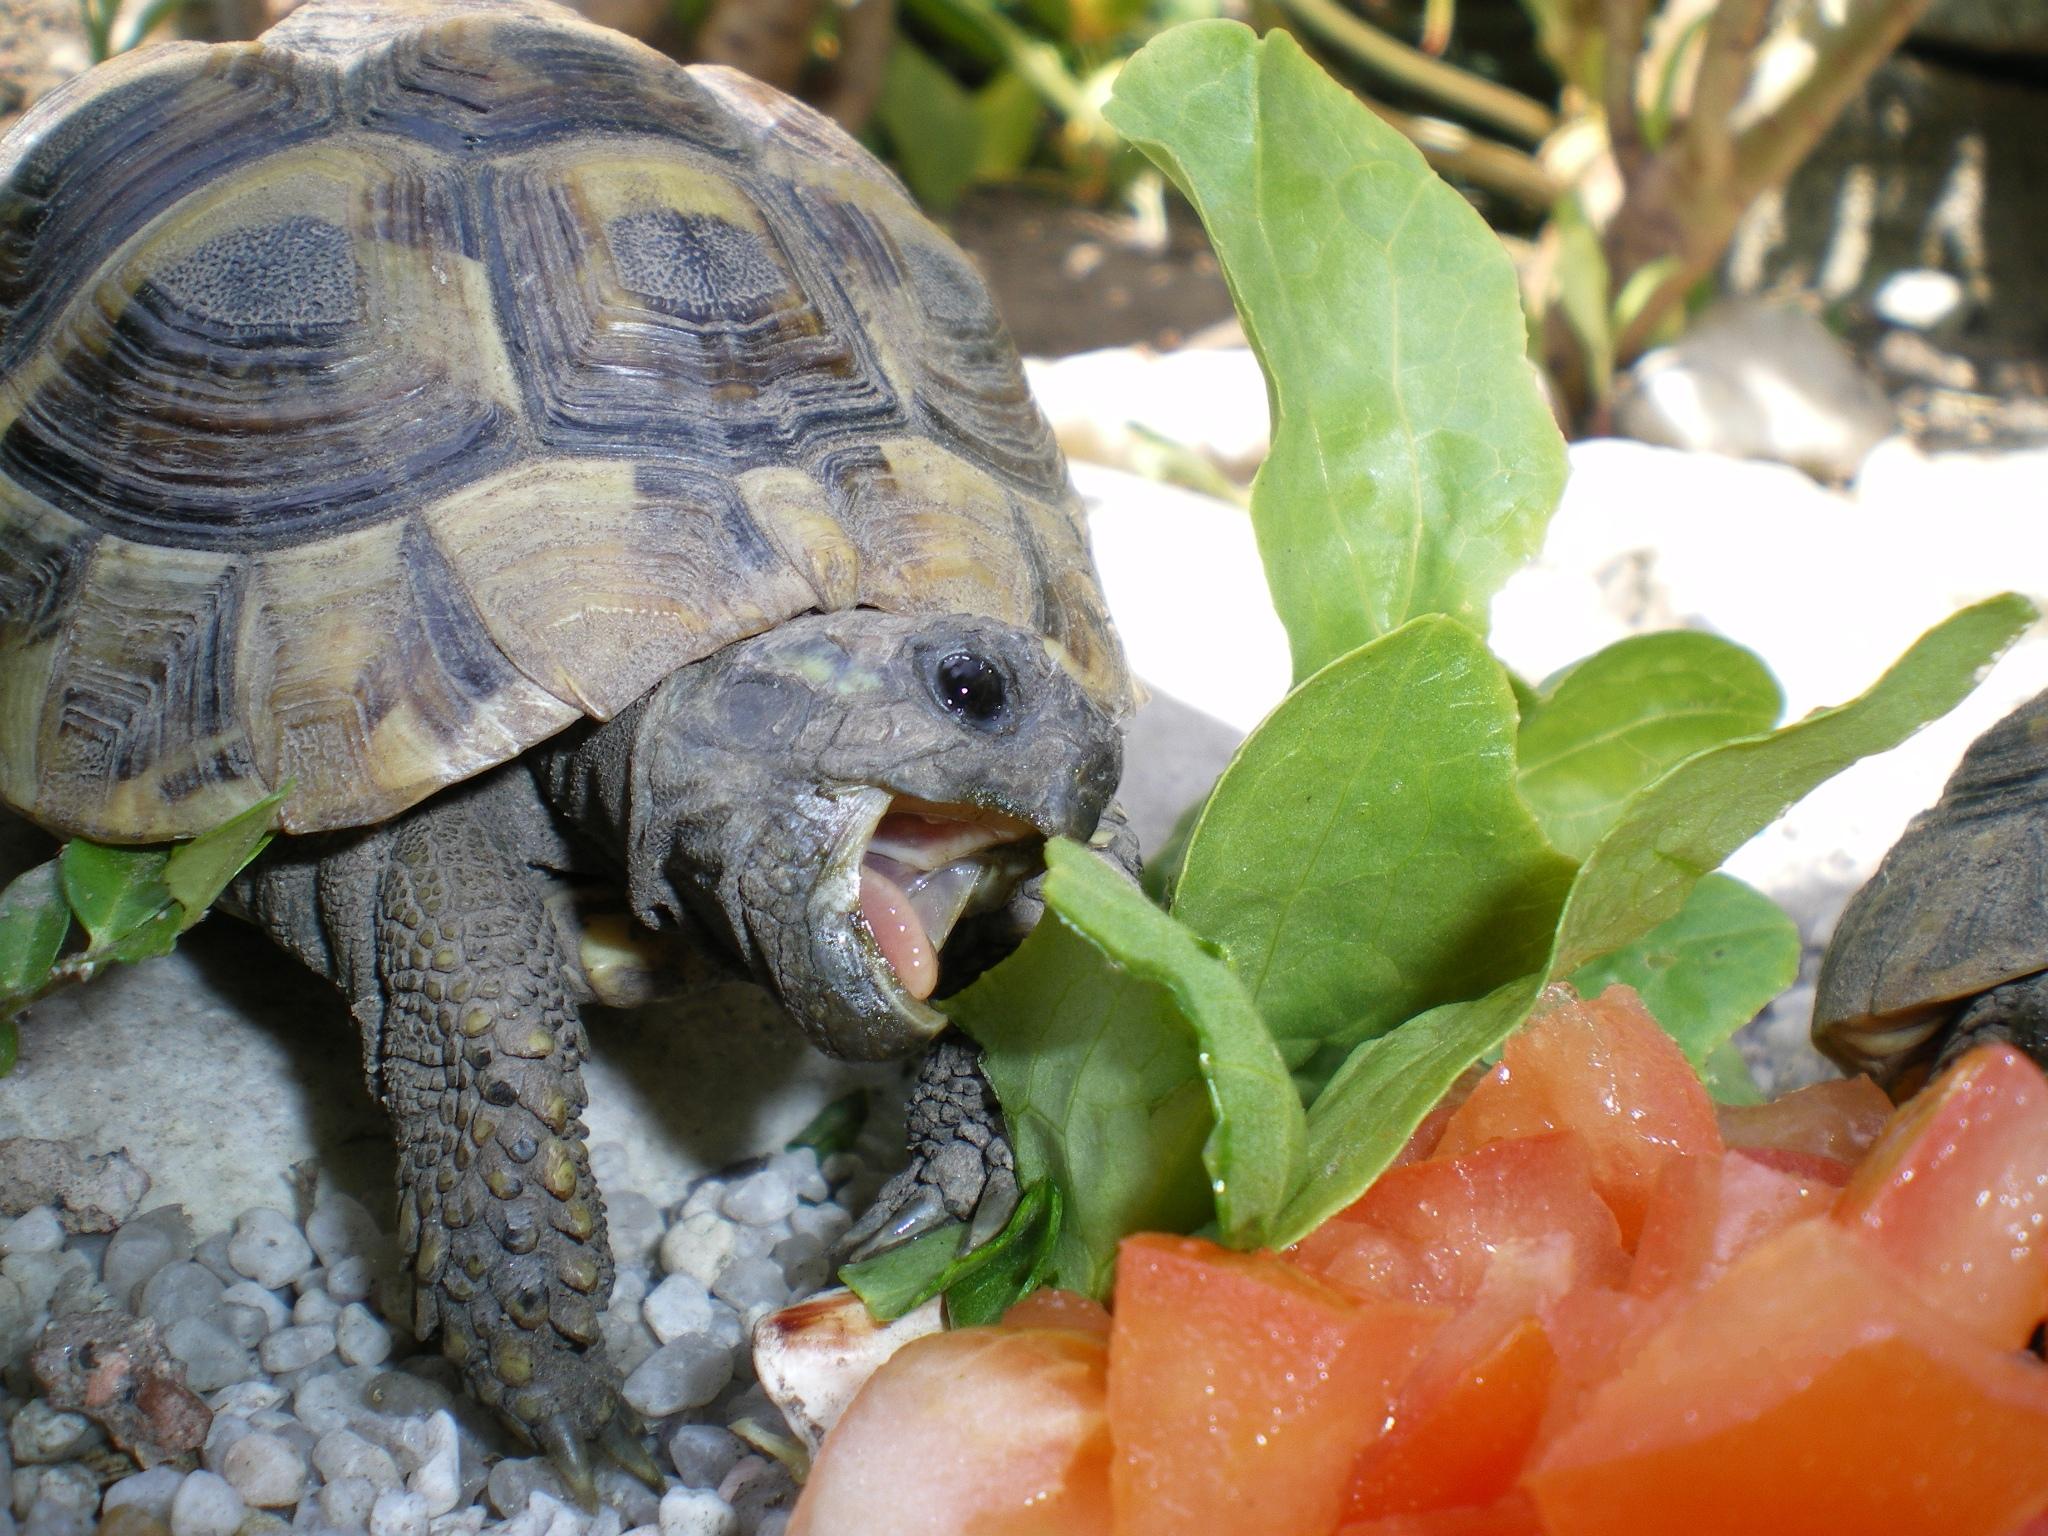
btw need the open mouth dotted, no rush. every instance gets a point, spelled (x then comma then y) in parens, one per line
(925, 868)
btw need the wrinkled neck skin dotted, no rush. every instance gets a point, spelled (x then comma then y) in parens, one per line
(743, 790)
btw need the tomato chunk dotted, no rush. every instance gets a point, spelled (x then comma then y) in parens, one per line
(1242, 1389)
(1706, 1212)
(1838, 1119)
(1048, 1307)
(1512, 1516)
(1807, 1393)
(1455, 1213)
(999, 1431)
(1955, 1194)
(1604, 1069)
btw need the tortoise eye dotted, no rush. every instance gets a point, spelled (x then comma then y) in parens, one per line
(971, 687)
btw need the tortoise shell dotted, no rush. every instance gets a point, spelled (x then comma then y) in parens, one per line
(1957, 907)
(382, 396)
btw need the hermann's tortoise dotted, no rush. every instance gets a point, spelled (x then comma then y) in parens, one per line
(411, 390)
(1947, 945)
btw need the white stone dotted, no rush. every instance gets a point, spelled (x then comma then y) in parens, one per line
(696, 1512)
(701, 1245)
(41, 1434)
(685, 1374)
(341, 1227)
(680, 1305)
(342, 1453)
(315, 1306)
(247, 1293)
(458, 1522)
(206, 1505)
(746, 1284)
(179, 1290)
(327, 1403)
(269, 1248)
(267, 1470)
(438, 1480)
(150, 1491)
(799, 1165)
(62, 1502)
(703, 1453)
(36, 1230)
(144, 1245)
(764, 1196)
(345, 1503)
(399, 1512)
(213, 1357)
(360, 1337)
(247, 1398)
(1116, 406)
(222, 1435)
(296, 1347)
(1919, 298)
(351, 1279)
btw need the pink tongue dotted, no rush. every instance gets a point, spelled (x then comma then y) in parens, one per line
(898, 931)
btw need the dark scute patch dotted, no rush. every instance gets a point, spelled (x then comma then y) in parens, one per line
(608, 371)
(697, 266)
(38, 582)
(950, 291)
(175, 430)
(296, 278)
(455, 631)
(662, 486)
(496, 86)
(147, 670)
(100, 173)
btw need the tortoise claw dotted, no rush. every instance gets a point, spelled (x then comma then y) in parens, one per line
(623, 1446)
(917, 1216)
(999, 1197)
(569, 1453)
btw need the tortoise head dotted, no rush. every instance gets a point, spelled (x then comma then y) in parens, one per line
(834, 797)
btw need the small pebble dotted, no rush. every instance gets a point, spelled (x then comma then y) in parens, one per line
(760, 1198)
(245, 1325)
(36, 1230)
(438, 1482)
(627, 1338)
(326, 1403)
(62, 1502)
(247, 1293)
(351, 1279)
(342, 1453)
(143, 1246)
(213, 1357)
(635, 1225)
(41, 1434)
(748, 1283)
(345, 1503)
(315, 1306)
(296, 1347)
(180, 1290)
(514, 1481)
(685, 1374)
(226, 1431)
(360, 1338)
(267, 1470)
(680, 1305)
(459, 1522)
(213, 1253)
(696, 1512)
(269, 1248)
(399, 1513)
(700, 1246)
(799, 1165)
(341, 1227)
(49, 1282)
(756, 1485)
(636, 1503)
(703, 1453)
(247, 1398)
(805, 1264)
(206, 1504)
(149, 1491)
(826, 1223)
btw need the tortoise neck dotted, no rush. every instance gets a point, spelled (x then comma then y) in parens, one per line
(588, 779)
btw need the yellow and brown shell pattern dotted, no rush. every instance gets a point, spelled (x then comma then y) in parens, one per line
(382, 396)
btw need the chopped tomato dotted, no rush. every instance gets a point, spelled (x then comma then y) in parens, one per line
(1806, 1393)
(1242, 1389)
(1454, 1213)
(1049, 1307)
(998, 1431)
(1604, 1069)
(1809, 1167)
(1706, 1212)
(1512, 1516)
(1422, 1141)
(1955, 1194)
(1838, 1119)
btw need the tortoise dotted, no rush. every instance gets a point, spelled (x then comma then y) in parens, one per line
(1947, 945)
(555, 465)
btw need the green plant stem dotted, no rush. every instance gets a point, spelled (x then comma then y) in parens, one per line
(1724, 70)
(1622, 22)
(1037, 62)
(1507, 110)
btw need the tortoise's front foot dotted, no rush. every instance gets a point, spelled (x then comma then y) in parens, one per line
(960, 1164)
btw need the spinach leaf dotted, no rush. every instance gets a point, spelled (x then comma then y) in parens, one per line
(1414, 462)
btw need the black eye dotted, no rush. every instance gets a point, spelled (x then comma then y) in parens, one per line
(970, 687)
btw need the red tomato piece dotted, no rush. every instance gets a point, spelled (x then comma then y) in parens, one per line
(1455, 1213)
(1049, 1307)
(1706, 1212)
(1513, 1516)
(1955, 1194)
(1807, 1393)
(1604, 1069)
(1242, 1389)
(998, 1431)
(1838, 1119)
(1463, 1425)
(1809, 1167)
(1374, 1264)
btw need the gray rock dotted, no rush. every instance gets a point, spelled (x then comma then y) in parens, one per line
(180, 1290)
(800, 1166)
(805, 1262)
(627, 1338)
(63, 1502)
(841, 1169)
(16, 1320)
(342, 1453)
(249, 1399)
(636, 1503)
(213, 1253)
(680, 1305)
(760, 1198)
(296, 1347)
(514, 1481)
(142, 1247)
(700, 1245)
(826, 1223)
(246, 1325)
(703, 1453)
(267, 1470)
(206, 1505)
(437, 1481)
(696, 1512)
(351, 1279)
(360, 1338)
(247, 1293)
(41, 1434)
(269, 1248)
(150, 1491)
(755, 1486)
(315, 1306)
(399, 1513)
(634, 1222)
(746, 1284)
(36, 1230)
(685, 1374)
(43, 1276)
(326, 1403)
(345, 1503)
(213, 1357)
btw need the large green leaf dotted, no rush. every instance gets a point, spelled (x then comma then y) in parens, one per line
(1254, 1152)
(1708, 971)
(1708, 806)
(34, 919)
(114, 891)
(932, 123)
(1365, 856)
(1101, 1086)
(197, 872)
(1414, 462)
(1612, 723)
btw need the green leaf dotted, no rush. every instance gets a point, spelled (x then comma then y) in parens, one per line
(932, 124)
(10, 1044)
(1365, 856)
(907, 1276)
(1254, 1152)
(1708, 971)
(197, 872)
(1617, 720)
(1708, 806)
(834, 1128)
(1582, 291)
(33, 922)
(980, 1283)
(1009, 115)
(1101, 1086)
(1728, 1077)
(113, 891)
(1414, 462)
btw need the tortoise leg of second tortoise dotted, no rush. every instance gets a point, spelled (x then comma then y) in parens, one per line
(2016, 1013)
(456, 972)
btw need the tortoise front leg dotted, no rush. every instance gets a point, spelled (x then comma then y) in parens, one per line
(477, 1052)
